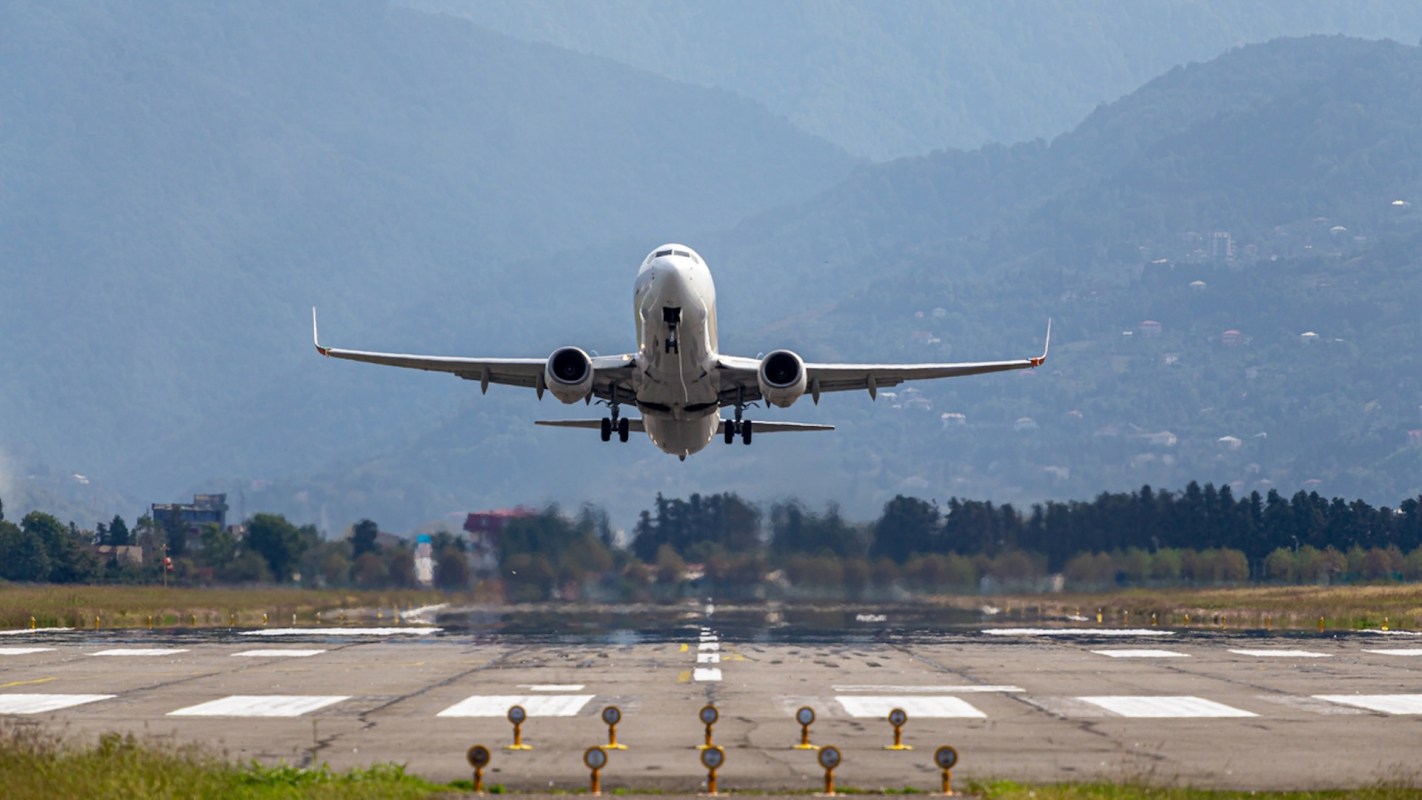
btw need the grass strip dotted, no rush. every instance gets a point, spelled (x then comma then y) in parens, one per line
(118, 606)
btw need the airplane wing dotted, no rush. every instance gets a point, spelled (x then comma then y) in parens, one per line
(609, 371)
(635, 425)
(738, 375)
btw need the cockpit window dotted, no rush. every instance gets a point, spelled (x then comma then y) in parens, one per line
(681, 253)
(661, 253)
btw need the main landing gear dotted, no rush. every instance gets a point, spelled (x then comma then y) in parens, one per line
(731, 427)
(619, 425)
(744, 427)
(615, 422)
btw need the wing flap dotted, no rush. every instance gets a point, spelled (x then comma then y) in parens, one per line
(634, 425)
(761, 426)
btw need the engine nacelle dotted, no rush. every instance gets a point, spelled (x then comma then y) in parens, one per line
(782, 378)
(569, 374)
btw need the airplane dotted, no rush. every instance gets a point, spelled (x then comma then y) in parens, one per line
(678, 378)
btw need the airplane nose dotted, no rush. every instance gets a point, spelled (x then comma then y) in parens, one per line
(672, 282)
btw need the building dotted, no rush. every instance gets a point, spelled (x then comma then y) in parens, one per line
(204, 509)
(485, 527)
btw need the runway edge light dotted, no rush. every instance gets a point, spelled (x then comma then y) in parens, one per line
(946, 757)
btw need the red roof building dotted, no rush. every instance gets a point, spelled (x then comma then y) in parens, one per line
(488, 525)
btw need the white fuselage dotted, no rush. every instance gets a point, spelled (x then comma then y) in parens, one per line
(677, 389)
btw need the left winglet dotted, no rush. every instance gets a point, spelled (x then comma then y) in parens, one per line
(1042, 359)
(315, 337)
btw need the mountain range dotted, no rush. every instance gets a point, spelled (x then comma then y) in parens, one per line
(184, 182)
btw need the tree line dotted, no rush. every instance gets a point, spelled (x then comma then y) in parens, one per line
(1201, 534)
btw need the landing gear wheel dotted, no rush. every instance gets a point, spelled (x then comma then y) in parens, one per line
(606, 429)
(728, 429)
(622, 429)
(746, 431)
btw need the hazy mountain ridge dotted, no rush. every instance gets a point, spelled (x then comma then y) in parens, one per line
(182, 361)
(1109, 411)
(184, 181)
(888, 80)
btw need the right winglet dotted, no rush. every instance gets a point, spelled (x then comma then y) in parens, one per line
(1047, 345)
(315, 337)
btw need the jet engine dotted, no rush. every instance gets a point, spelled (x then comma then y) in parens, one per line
(569, 374)
(782, 378)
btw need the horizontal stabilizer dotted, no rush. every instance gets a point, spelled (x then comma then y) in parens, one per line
(634, 425)
(787, 427)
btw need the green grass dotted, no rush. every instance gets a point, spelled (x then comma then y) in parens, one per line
(34, 764)
(1349, 607)
(113, 606)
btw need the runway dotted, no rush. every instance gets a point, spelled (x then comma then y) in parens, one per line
(1201, 708)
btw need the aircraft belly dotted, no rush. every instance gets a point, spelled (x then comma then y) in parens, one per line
(681, 437)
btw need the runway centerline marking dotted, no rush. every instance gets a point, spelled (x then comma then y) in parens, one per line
(1141, 653)
(40, 703)
(23, 651)
(1404, 651)
(279, 653)
(1282, 653)
(709, 646)
(705, 674)
(141, 651)
(879, 706)
(240, 705)
(552, 687)
(1385, 703)
(537, 705)
(708, 658)
(1146, 707)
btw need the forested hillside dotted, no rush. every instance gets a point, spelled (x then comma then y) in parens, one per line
(951, 258)
(897, 79)
(182, 182)
(1229, 255)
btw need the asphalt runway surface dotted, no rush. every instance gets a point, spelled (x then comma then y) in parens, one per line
(1210, 709)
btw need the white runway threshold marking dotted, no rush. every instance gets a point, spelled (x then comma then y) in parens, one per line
(537, 705)
(22, 631)
(1076, 632)
(1140, 653)
(408, 630)
(141, 651)
(709, 646)
(706, 674)
(290, 653)
(1137, 707)
(552, 687)
(1397, 652)
(241, 705)
(879, 706)
(23, 651)
(1282, 653)
(964, 689)
(40, 703)
(1386, 703)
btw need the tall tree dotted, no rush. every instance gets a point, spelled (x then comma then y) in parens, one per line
(363, 538)
(277, 541)
(118, 532)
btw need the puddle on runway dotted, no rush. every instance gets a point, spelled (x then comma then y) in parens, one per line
(741, 623)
